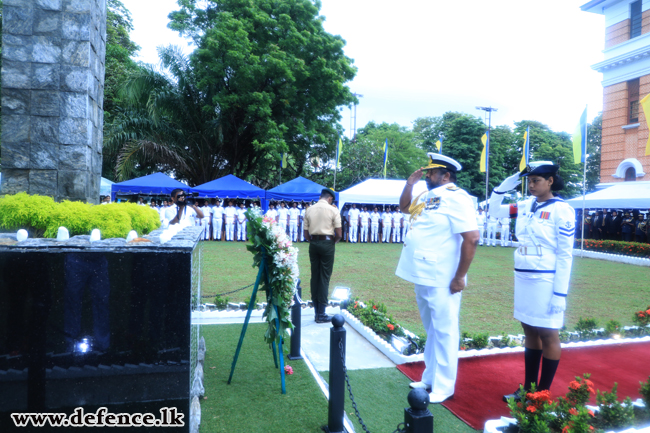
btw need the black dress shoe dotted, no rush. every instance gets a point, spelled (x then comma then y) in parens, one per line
(322, 317)
(516, 395)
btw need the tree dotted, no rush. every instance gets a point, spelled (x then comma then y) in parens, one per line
(275, 78)
(120, 68)
(594, 136)
(164, 126)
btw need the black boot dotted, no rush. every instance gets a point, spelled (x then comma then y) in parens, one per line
(315, 304)
(322, 317)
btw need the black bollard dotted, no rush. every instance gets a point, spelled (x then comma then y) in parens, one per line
(296, 317)
(417, 418)
(336, 377)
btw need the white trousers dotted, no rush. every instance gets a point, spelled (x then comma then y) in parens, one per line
(404, 230)
(241, 231)
(396, 233)
(230, 229)
(205, 223)
(216, 228)
(504, 236)
(374, 233)
(364, 233)
(439, 311)
(354, 231)
(481, 233)
(293, 230)
(385, 237)
(302, 232)
(491, 234)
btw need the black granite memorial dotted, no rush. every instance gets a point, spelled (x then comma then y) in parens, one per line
(101, 324)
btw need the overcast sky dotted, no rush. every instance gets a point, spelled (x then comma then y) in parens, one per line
(416, 58)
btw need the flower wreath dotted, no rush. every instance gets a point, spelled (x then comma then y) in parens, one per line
(271, 243)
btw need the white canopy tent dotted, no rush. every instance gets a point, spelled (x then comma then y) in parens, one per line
(624, 195)
(380, 191)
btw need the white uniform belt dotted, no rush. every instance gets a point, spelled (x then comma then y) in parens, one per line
(533, 250)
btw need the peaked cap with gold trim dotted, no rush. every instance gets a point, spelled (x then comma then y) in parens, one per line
(437, 160)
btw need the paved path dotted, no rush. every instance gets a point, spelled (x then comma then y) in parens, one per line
(315, 337)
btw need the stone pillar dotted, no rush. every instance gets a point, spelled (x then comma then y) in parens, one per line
(52, 97)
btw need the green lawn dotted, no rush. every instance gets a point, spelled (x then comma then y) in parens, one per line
(599, 289)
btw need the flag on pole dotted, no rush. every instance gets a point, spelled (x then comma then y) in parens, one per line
(385, 156)
(645, 104)
(439, 146)
(526, 153)
(339, 149)
(579, 139)
(283, 161)
(484, 140)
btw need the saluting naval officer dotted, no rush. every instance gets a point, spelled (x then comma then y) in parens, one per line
(545, 229)
(438, 250)
(322, 231)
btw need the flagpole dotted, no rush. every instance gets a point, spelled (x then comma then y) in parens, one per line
(584, 192)
(489, 110)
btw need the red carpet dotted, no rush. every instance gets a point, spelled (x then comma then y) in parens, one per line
(482, 381)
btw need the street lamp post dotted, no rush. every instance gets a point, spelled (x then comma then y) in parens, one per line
(489, 111)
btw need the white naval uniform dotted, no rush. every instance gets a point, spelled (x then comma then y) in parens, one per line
(283, 215)
(544, 257)
(429, 259)
(387, 221)
(374, 226)
(505, 231)
(397, 229)
(294, 214)
(364, 216)
(302, 225)
(405, 227)
(241, 226)
(491, 230)
(205, 222)
(480, 222)
(187, 217)
(230, 212)
(217, 222)
(353, 214)
(272, 213)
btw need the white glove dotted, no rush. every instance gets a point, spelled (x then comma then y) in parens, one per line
(558, 304)
(509, 184)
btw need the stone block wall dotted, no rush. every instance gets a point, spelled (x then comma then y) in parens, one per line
(52, 97)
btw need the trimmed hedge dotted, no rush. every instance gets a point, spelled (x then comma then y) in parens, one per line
(635, 249)
(41, 216)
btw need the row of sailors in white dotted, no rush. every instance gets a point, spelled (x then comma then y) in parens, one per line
(232, 219)
(493, 225)
(292, 218)
(369, 222)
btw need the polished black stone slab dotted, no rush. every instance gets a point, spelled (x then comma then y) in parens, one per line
(97, 324)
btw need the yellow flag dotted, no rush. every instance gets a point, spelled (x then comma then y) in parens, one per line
(484, 152)
(438, 145)
(645, 103)
(526, 151)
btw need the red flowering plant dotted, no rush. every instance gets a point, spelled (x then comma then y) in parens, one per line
(572, 416)
(535, 412)
(375, 316)
(642, 318)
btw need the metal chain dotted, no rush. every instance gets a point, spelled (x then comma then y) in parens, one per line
(228, 293)
(347, 380)
(402, 429)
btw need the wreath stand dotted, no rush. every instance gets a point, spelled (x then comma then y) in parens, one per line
(278, 341)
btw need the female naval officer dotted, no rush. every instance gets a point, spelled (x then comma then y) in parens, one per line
(545, 228)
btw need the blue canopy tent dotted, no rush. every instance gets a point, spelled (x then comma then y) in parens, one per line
(299, 189)
(153, 184)
(231, 186)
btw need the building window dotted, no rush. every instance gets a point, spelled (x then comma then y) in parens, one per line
(630, 174)
(633, 100)
(636, 19)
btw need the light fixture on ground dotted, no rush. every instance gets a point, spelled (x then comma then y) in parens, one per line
(342, 296)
